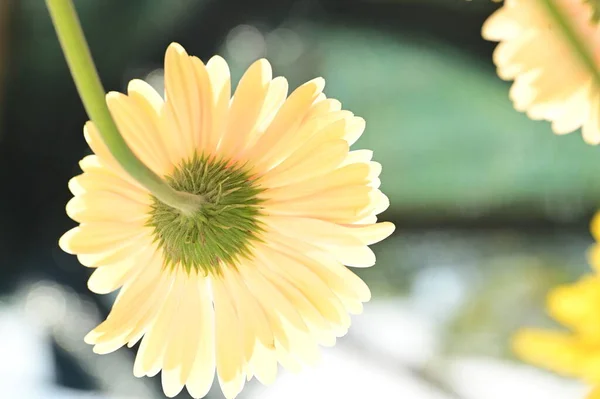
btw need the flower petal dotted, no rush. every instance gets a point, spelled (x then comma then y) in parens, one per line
(99, 237)
(245, 108)
(140, 130)
(286, 122)
(202, 373)
(229, 345)
(220, 80)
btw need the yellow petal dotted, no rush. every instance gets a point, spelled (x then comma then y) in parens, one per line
(304, 348)
(246, 107)
(312, 230)
(94, 140)
(328, 205)
(252, 317)
(110, 278)
(203, 137)
(358, 156)
(307, 144)
(133, 296)
(229, 346)
(556, 351)
(341, 280)
(594, 394)
(273, 302)
(573, 113)
(309, 313)
(97, 178)
(371, 233)
(354, 129)
(99, 237)
(148, 100)
(103, 158)
(323, 107)
(154, 344)
(319, 163)
(181, 349)
(353, 256)
(591, 128)
(380, 202)
(203, 371)
(130, 248)
(315, 290)
(104, 206)
(297, 143)
(500, 25)
(322, 231)
(278, 90)
(140, 131)
(264, 364)
(220, 80)
(594, 257)
(233, 387)
(349, 175)
(357, 256)
(182, 104)
(285, 122)
(288, 362)
(137, 321)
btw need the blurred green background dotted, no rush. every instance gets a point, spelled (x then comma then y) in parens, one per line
(491, 208)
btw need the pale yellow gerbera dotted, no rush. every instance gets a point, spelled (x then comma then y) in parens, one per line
(256, 277)
(551, 79)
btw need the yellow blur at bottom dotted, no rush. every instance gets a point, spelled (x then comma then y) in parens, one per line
(594, 394)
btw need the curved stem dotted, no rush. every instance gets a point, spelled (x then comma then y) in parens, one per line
(85, 75)
(571, 35)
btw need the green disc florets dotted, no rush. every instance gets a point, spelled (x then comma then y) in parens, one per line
(224, 226)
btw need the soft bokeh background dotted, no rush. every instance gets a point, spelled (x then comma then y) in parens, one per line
(491, 208)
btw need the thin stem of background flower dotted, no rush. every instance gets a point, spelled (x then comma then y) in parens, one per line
(85, 75)
(570, 34)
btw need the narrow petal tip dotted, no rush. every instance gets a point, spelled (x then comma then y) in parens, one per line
(386, 229)
(91, 337)
(113, 96)
(318, 82)
(171, 383)
(176, 48)
(65, 240)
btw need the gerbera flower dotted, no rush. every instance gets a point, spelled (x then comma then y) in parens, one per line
(553, 79)
(256, 277)
(576, 352)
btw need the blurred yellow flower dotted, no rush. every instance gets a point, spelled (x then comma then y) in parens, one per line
(573, 353)
(256, 277)
(595, 394)
(552, 81)
(594, 253)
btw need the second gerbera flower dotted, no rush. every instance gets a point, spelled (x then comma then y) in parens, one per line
(257, 276)
(552, 80)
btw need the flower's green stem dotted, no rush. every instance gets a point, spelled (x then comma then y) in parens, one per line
(573, 38)
(92, 94)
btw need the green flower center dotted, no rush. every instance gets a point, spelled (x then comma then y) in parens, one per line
(221, 231)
